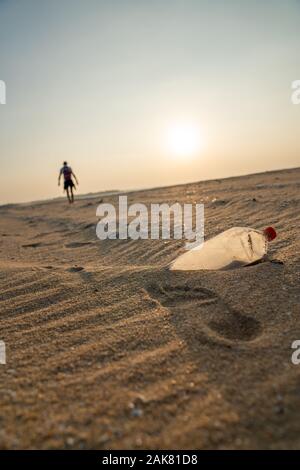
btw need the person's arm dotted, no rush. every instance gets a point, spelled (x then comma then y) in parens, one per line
(75, 177)
(59, 176)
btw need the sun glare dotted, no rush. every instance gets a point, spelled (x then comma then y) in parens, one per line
(183, 140)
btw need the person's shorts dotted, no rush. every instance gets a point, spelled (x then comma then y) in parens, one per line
(68, 184)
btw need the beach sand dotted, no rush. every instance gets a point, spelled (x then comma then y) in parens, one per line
(108, 349)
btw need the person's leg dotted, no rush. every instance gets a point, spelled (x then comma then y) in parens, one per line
(72, 194)
(68, 195)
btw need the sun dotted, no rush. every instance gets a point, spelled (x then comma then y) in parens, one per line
(183, 140)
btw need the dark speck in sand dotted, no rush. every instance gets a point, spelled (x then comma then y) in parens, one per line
(218, 202)
(31, 245)
(276, 261)
(76, 269)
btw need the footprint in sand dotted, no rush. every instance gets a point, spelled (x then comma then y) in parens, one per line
(32, 245)
(201, 313)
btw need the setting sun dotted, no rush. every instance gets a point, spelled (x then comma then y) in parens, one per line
(183, 139)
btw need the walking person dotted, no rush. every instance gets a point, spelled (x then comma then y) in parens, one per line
(68, 181)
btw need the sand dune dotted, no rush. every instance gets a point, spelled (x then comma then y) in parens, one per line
(106, 348)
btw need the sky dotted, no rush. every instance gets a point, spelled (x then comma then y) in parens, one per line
(101, 83)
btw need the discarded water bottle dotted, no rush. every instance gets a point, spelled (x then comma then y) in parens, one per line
(236, 247)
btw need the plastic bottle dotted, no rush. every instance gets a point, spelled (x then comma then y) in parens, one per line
(238, 246)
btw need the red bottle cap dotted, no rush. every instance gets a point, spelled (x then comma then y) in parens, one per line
(270, 233)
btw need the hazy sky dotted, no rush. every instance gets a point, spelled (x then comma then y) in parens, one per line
(98, 83)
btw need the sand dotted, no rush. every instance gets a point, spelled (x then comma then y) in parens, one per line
(108, 349)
